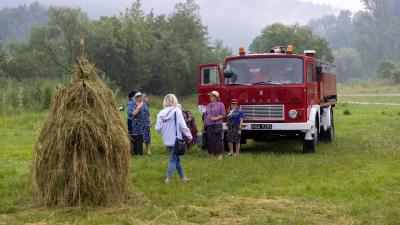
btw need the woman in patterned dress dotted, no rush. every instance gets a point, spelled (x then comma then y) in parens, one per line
(235, 122)
(141, 122)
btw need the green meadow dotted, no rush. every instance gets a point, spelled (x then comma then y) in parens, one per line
(354, 180)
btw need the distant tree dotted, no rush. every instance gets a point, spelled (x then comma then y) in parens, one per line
(105, 45)
(377, 32)
(3, 58)
(396, 75)
(301, 37)
(338, 30)
(348, 64)
(385, 68)
(389, 69)
(59, 41)
(219, 51)
(16, 23)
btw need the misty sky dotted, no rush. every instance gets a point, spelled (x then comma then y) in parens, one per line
(236, 22)
(352, 5)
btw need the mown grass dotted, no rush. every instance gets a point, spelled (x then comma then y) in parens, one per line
(370, 86)
(355, 180)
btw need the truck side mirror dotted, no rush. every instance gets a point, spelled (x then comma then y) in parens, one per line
(319, 74)
(228, 73)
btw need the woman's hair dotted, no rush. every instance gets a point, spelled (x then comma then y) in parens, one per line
(170, 100)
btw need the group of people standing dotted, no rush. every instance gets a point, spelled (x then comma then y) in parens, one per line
(172, 125)
(213, 117)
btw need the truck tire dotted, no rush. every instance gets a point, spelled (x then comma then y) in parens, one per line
(309, 146)
(330, 132)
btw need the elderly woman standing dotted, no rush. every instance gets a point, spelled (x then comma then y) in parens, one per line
(214, 114)
(235, 122)
(141, 122)
(171, 124)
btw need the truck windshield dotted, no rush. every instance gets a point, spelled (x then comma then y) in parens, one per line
(266, 71)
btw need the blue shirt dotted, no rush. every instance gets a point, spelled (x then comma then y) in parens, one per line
(236, 115)
(130, 109)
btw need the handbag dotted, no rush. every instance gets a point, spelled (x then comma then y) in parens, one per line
(180, 146)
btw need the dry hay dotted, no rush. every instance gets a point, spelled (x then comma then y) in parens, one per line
(82, 154)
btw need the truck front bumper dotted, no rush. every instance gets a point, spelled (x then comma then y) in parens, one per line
(304, 127)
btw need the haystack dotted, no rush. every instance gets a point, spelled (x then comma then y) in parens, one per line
(82, 154)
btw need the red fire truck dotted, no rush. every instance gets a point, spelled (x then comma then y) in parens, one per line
(282, 95)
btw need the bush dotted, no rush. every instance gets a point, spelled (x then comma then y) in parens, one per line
(346, 112)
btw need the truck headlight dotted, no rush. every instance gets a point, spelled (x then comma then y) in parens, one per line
(293, 114)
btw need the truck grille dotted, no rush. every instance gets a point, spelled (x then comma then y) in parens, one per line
(263, 112)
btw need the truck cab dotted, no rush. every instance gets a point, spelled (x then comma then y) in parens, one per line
(282, 95)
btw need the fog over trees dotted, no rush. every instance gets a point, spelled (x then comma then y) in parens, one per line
(236, 22)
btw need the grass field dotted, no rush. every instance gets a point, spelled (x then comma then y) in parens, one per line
(355, 180)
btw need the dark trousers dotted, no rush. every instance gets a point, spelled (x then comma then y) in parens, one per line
(136, 141)
(138, 144)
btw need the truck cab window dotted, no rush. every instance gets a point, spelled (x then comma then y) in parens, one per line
(272, 70)
(210, 76)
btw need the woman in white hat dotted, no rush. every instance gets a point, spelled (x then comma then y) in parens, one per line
(215, 113)
(141, 123)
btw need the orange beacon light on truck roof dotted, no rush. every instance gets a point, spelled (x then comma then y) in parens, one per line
(242, 51)
(289, 49)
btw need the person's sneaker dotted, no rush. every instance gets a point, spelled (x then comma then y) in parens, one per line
(230, 154)
(167, 181)
(185, 179)
(219, 157)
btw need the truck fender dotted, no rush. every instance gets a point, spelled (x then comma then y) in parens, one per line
(326, 118)
(315, 110)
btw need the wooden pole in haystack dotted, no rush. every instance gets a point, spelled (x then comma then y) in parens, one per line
(82, 153)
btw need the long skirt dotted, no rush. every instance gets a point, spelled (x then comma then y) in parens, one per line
(214, 141)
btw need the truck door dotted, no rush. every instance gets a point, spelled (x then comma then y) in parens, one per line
(312, 86)
(210, 79)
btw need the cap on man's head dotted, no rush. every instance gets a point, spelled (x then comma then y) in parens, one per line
(214, 93)
(138, 94)
(234, 101)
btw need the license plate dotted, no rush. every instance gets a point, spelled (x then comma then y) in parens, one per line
(261, 126)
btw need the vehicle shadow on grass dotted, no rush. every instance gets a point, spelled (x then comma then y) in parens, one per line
(279, 147)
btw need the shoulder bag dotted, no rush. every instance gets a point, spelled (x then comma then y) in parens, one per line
(180, 146)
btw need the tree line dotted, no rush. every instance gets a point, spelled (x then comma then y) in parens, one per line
(365, 42)
(134, 50)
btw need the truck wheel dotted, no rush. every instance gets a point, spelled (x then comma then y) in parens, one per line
(330, 133)
(309, 146)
